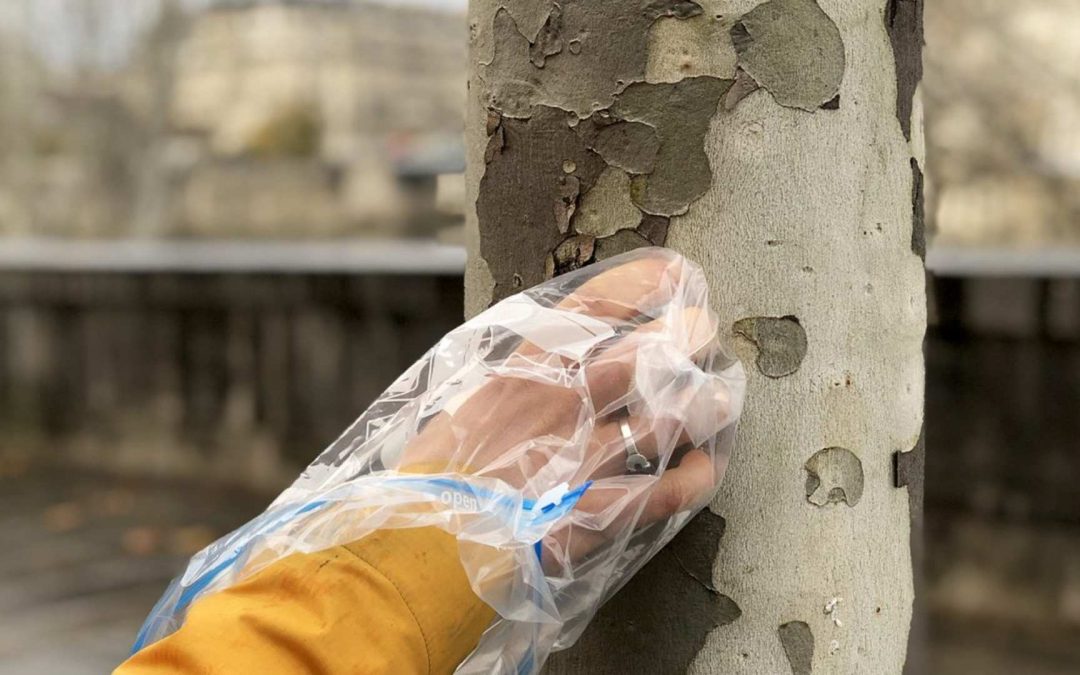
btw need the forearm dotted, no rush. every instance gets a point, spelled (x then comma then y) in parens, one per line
(398, 601)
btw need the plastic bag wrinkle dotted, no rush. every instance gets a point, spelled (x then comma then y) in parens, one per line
(506, 434)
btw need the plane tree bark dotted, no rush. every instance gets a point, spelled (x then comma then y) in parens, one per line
(778, 144)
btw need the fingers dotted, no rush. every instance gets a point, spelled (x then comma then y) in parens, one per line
(545, 398)
(608, 449)
(621, 293)
(617, 500)
(682, 488)
(627, 290)
(610, 374)
(614, 505)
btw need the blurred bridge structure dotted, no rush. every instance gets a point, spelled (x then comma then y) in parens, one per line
(230, 364)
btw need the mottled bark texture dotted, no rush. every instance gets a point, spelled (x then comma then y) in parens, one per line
(768, 141)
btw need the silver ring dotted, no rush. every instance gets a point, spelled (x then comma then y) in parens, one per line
(636, 462)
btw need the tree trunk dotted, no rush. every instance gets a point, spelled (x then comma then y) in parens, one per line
(773, 143)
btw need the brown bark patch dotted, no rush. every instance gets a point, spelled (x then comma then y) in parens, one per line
(620, 242)
(610, 50)
(834, 475)
(572, 254)
(680, 112)
(780, 341)
(798, 642)
(630, 146)
(659, 621)
(792, 49)
(744, 86)
(655, 229)
(527, 199)
(918, 217)
(904, 23)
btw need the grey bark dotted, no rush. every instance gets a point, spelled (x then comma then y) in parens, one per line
(776, 144)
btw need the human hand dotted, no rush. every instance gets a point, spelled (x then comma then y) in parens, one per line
(542, 417)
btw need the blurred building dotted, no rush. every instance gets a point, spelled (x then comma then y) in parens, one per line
(271, 118)
(345, 111)
(359, 70)
(1002, 92)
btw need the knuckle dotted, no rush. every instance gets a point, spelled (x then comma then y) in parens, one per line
(670, 497)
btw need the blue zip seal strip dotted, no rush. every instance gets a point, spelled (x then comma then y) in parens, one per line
(535, 512)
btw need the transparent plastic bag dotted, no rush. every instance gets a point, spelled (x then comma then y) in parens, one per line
(563, 436)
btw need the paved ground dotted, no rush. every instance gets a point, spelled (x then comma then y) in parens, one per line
(84, 557)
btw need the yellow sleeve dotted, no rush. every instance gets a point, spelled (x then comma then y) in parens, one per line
(397, 601)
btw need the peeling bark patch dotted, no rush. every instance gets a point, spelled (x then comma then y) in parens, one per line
(904, 23)
(491, 124)
(744, 86)
(659, 621)
(496, 140)
(908, 466)
(793, 49)
(516, 90)
(910, 471)
(781, 343)
(607, 207)
(798, 642)
(918, 220)
(610, 50)
(573, 253)
(620, 242)
(834, 475)
(548, 41)
(631, 146)
(529, 16)
(680, 113)
(566, 203)
(681, 48)
(566, 102)
(696, 556)
(526, 199)
(680, 9)
(655, 229)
